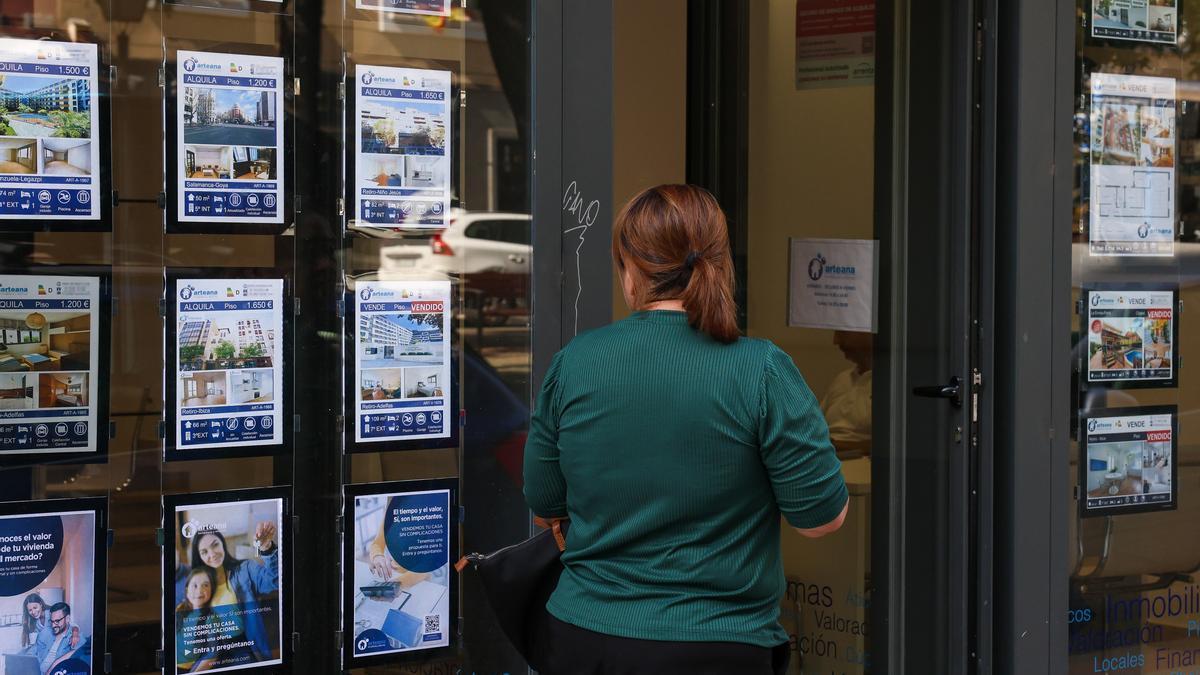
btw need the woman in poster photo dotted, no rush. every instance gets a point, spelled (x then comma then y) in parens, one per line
(33, 620)
(193, 614)
(237, 587)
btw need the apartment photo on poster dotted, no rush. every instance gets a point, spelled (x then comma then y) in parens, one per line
(228, 354)
(402, 162)
(226, 566)
(401, 389)
(1129, 460)
(1151, 21)
(227, 140)
(1132, 335)
(419, 7)
(52, 587)
(51, 131)
(1132, 187)
(54, 365)
(400, 591)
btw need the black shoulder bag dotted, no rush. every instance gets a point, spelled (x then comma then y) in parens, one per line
(518, 581)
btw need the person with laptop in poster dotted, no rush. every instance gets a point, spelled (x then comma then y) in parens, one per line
(60, 641)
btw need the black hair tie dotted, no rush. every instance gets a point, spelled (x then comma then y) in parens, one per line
(690, 262)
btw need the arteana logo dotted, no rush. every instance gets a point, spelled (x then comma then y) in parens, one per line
(365, 293)
(1092, 424)
(1144, 231)
(185, 293)
(819, 267)
(368, 77)
(13, 289)
(189, 64)
(369, 292)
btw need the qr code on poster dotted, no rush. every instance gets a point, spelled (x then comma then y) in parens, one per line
(433, 623)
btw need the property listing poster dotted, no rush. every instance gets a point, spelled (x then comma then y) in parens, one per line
(401, 567)
(1130, 460)
(1154, 21)
(402, 360)
(426, 7)
(1132, 196)
(226, 603)
(49, 376)
(230, 138)
(48, 592)
(229, 355)
(1130, 335)
(402, 150)
(835, 43)
(49, 130)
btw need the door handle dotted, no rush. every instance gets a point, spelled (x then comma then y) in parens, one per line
(952, 391)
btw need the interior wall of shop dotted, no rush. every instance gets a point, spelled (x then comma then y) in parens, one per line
(650, 103)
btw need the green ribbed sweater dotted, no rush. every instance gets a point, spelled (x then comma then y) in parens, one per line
(674, 456)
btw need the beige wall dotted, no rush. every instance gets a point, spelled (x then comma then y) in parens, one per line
(811, 175)
(649, 101)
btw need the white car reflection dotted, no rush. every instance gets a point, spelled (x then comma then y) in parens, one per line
(473, 243)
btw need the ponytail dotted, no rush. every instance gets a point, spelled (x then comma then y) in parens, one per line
(675, 242)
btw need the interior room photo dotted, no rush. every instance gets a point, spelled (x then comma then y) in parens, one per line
(203, 388)
(62, 390)
(253, 163)
(16, 391)
(207, 161)
(18, 155)
(251, 386)
(66, 157)
(44, 341)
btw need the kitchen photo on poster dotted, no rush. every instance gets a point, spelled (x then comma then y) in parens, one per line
(402, 148)
(1130, 460)
(1132, 187)
(49, 364)
(402, 360)
(424, 7)
(400, 561)
(1155, 21)
(229, 138)
(48, 592)
(224, 604)
(229, 384)
(1130, 336)
(49, 130)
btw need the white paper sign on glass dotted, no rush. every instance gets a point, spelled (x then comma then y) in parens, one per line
(1154, 21)
(1132, 187)
(1130, 335)
(833, 284)
(49, 347)
(401, 572)
(49, 131)
(402, 360)
(402, 148)
(229, 388)
(1130, 461)
(425, 7)
(229, 138)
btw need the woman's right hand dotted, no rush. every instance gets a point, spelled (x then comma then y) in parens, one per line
(381, 568)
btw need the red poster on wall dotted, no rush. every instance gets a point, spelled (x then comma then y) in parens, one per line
(835, 43)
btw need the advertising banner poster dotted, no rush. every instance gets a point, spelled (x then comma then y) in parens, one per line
(833, 284)
(426, 7)
(49, 130)
(1129, 462)
(1154, 21)
(400, 546)
(50, 575)
(228, 350)
(402, 375)
(1131, 336)
(223, 605)
(835, 43)
(402, 148)
(50, 358)
(230, 138)
(1132, 190)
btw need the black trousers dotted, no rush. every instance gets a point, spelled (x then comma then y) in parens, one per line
(565, 649)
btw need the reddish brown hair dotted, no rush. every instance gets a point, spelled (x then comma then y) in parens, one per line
(674, 240)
